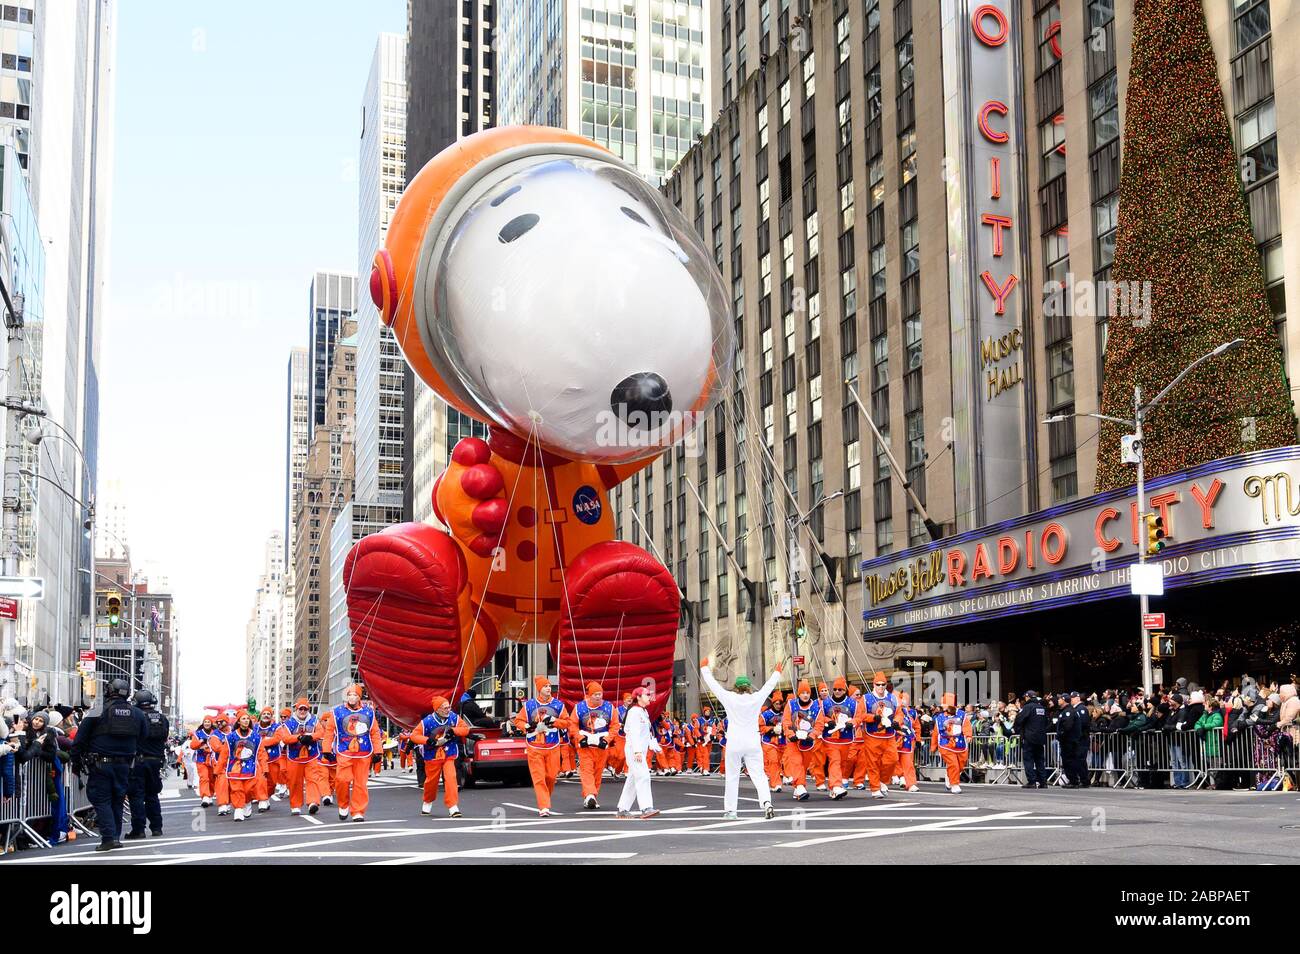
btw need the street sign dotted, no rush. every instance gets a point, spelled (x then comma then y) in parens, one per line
(798, 660)
(8, 607)
(1153, 621)
(1162, 646)
(25, 587)
(86, 662)
(1147, 579)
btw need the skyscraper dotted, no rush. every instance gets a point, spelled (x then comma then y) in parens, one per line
(263, 631)
(380, 435)
(56, 111)
(451, 93)
(331, 298)
(631, 74)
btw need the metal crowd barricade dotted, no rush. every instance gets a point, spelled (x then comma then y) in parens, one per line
(30, 802)
(78, 801)
(999, 757)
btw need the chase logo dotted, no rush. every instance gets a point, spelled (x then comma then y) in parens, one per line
(586, 505)
(880, 622)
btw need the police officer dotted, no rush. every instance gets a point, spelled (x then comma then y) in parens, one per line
(1067, 733)
(146, 773)
(1031, 725)
(1083, 722)
(108, 743)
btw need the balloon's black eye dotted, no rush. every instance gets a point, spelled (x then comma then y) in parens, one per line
(634, 216)
(503, 196)
(517, 227)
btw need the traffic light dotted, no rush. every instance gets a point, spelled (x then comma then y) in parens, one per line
(797, 623)
(1155, 533)
(114, 610)
(496, 685)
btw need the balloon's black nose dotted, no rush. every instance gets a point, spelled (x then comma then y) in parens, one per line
(645, 394)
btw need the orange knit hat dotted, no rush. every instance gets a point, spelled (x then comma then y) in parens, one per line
(841, 683)
(539, 682)
(593, 687)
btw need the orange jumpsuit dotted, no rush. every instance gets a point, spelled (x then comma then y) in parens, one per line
(544, 743)
(307, 778)
(772, 733)
(328, 760)
(805, 754)
(618, 749)
(353, 735)
(951, 735)
(878, 714)
(204, 760)
(272, 774)
(592, 725)
(837, 741)
(220, 785)
(911, 728)
(705, 730)
(664, 736)
(244, 776)
(440, 760)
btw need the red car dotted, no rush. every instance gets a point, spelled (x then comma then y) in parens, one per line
(491, 755)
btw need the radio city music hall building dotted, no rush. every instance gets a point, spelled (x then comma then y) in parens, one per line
(888, 189)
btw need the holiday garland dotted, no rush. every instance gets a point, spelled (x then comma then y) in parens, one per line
(1184, 227)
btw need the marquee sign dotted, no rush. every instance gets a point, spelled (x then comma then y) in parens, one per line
(987, 213)
(1235, 517)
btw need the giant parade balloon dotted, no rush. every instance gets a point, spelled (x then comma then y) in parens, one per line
(537, 284)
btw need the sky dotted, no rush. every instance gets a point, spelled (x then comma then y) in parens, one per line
(235, 156)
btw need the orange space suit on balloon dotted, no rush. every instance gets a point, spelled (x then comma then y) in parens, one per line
(537, 284)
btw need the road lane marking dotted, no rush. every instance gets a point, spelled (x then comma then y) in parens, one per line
(945, 825)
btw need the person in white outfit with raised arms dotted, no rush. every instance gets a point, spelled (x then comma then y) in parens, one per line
(639, 740)
(744, 748)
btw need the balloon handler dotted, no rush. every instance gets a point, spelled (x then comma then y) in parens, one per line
(539, 285)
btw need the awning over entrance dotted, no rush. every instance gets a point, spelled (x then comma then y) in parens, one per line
(1228, 519)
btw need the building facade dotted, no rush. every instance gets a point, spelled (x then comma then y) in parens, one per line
(862, 198)
(353, 522)
(630, 74)
(327, 488)
(332, 298)
(263, 636)
(381, 431)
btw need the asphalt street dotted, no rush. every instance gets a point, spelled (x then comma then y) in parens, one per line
(982, 825)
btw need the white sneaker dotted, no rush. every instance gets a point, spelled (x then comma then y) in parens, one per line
(543, 813)
(590, 802)
(343, 814)
(453, 812)
(821, 787)
(877, 794)
(956, 789)
(777, 789)
(787, 779)
(239, 814)
(358, 817)
(263, 805)
(800, 793)
(295, 811)
(205, 802)
(223, 809)
(914, 788)
(884, 790)
(426, 807)
(838, 792)
(327, 799)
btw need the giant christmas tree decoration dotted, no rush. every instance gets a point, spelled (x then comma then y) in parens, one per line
(1183, 226)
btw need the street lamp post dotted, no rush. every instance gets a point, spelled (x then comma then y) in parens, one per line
(1140, 413)
(795, 563)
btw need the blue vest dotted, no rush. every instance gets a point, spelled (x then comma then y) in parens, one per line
(272, 751)
(344, 720)
(831, 709)
(432, 727)
(302, 753)
(551, 738)
(770, 718)
(622, 717)
(947, 741)
(199, 755)
(873, 729)
(587, 716)
(243, 768)
(906, 737)
(799, 713)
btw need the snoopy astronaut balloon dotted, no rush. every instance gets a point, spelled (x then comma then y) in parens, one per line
(539, 285)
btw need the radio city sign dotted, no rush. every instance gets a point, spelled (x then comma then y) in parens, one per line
(987, 218)
(1234, 517)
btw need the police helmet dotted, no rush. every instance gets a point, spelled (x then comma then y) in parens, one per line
(119, 687)
(143, 697)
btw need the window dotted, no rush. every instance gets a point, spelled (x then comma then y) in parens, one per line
(846, 205)
(842, 38)
(911, 250)
(1060, 375)
(812, 236)
(1049, 37)
(1051, 140)
(905, 64)
(785, 102)
(1105, 218)
(1103, 105)
(1257, 140)
(809, 77)
(849, 291)
(1250, 22)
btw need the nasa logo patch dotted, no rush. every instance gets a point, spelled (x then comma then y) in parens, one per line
(586, 505)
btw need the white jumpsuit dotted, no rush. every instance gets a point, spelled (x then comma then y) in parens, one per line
(638, 740)
(743, 744)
